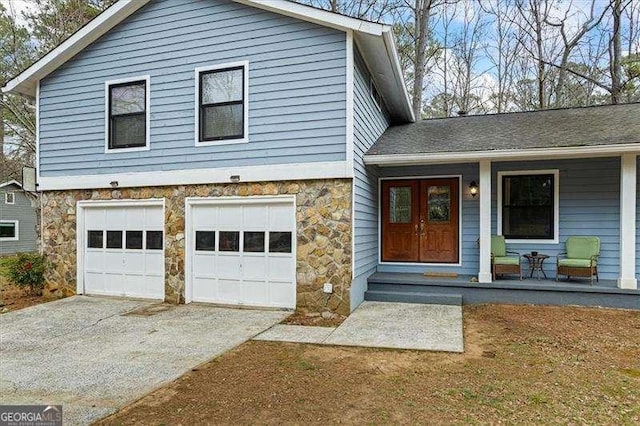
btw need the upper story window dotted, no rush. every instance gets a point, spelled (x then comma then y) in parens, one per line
(9, 198)
(222, 104)
(127, 114)
(375, 95)
(528, 207)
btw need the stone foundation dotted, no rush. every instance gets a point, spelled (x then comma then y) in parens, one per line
(323, 235)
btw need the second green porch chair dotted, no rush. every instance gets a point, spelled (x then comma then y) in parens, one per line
(501, 261)
(580, 258)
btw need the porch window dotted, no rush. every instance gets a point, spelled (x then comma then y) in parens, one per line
(528, 205)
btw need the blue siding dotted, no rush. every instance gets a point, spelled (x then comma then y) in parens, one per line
(589, 205)
(23, 210)
(368, 124)
(297, 90)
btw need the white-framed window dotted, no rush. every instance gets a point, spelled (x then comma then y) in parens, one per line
(127, 114)
(9, 198)
(9, 230)
(375, 94)
(222, 104)
(529, 206)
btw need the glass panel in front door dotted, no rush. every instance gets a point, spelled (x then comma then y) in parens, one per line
(400, 204)
(439, 204)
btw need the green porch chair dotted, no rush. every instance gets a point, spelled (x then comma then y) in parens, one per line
(580, 258)
(501, 262)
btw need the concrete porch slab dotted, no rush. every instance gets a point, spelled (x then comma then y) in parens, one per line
(384, 325)
(402, 326)
(296, 334)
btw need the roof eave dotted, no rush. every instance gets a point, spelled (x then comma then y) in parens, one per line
(11, 182)
(26, 82)
(415, 159)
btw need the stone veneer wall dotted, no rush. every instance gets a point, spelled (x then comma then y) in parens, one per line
(323, 234)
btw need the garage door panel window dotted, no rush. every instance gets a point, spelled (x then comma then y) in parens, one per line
(205, 241)
(280, 242)
(114, 239)
(95, 239)
(134, 240)
(230, 241)
(254, 242)
(155, 240)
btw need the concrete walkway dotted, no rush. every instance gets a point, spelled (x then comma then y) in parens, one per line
(384, 325)
(96, 355)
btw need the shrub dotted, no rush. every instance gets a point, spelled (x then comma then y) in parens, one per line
(26, 270)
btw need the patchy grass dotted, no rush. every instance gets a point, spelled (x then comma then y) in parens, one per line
(522, 364)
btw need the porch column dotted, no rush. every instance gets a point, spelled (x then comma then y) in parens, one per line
(627, 277)
(484, 275)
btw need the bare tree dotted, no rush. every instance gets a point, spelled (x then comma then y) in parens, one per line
(570, 42)
(532, 17)
(502, 51)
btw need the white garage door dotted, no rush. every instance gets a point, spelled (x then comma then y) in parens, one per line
(124, 253)
(243, 254)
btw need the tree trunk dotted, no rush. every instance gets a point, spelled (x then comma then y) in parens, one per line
(1, 124)
(615, 54)
(421, 30)
(540, 52)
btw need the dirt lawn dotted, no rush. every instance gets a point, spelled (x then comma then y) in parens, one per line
(13, 297)
(522, 364)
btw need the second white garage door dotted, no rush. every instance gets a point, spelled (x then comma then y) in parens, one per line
(242, 252)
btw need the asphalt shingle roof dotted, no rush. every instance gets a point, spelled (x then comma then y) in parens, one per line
(588, 126)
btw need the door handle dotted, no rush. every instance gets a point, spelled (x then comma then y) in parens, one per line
(417, 230)
(422, 227)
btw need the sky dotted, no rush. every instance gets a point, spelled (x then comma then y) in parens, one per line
(18, 5)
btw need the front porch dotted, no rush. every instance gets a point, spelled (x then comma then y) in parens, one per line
(418, 288)
(445, 187)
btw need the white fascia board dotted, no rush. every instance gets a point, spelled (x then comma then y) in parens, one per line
(500, 155)
(11, 182)
(25, 83)
(266, 173)
(317, 16)
(390, 45)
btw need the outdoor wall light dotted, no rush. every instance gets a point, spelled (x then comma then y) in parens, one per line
(473, 188)
(234, 178)
(114, 183)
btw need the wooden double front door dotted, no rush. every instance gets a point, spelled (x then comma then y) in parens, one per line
(420, 220)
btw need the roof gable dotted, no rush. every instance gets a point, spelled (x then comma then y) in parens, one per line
(11, 183)
(374, 40)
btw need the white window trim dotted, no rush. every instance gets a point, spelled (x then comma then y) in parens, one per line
(6, 197)
(108, 83)
(198, 70)
(16, 224)
(373, 86)
(556, 205)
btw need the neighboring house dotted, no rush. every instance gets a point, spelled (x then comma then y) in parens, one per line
(223, 151)
(17, 219)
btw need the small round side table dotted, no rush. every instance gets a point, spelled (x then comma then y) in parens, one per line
(535, 264)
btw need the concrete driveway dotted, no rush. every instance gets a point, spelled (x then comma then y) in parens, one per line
(95, 355)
